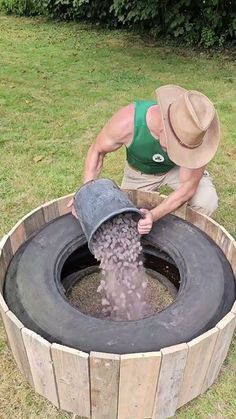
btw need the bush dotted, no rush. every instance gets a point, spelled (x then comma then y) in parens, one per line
(203, 22)
(94, 10)
(193, 22)
(23, 7)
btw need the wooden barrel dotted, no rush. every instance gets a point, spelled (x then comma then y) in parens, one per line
(109, 386)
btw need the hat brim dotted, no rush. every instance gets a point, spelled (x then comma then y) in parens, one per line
(180, 155)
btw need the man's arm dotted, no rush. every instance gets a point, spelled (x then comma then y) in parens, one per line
(189, 181)
(117, 132)
(96, 154)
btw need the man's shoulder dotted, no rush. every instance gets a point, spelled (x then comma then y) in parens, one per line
(119, 129)
(123, 120)
(127, 112)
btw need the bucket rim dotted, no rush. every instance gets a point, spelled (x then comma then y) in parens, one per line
(95, 180)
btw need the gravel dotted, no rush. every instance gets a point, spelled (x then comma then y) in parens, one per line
(121, 290)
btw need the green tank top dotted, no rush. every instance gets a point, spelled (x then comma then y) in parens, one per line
(145, 152)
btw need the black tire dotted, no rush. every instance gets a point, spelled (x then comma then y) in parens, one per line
(34, 288)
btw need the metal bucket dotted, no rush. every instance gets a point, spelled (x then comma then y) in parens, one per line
(99, 200)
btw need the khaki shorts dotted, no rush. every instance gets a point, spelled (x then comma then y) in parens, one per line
(205, 199)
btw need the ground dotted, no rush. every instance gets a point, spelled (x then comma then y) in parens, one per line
(59, 83)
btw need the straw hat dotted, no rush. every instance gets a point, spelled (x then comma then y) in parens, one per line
(191, 126)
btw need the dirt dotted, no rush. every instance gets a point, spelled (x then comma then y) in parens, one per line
(85, 297)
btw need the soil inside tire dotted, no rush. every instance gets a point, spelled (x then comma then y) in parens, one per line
(84, 296)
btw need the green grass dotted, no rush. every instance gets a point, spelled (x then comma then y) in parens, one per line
(59, 83)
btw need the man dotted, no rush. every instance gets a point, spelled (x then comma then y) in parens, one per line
(168, 142)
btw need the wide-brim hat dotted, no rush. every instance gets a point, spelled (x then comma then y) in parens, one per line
(191, 126)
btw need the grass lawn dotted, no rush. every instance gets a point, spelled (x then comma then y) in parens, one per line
(59, 83)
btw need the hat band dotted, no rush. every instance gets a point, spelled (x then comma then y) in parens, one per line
(176, 136)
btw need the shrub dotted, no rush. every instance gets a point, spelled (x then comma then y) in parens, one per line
(193, 22)
(203, 22)
(94, 10)
(23, 7)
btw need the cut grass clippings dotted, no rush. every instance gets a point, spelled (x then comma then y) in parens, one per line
(59, 83)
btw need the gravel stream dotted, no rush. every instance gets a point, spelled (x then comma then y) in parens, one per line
(117, 246)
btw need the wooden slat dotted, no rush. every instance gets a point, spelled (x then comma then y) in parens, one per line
(3, 310)
(3, 306)
(17, 236)
(149, 200)
(3, 241)
(39, 355)
(196, 218)
(33, 221)
(131, 194)
(181, 212)
(72, 377)
(226, 328)
(104, 380)
(200, 352)
(232, 256)
(50, 211)
(13, 329)
(2, 271)
(233, 309)
(7, 250)
(62, 204)
(224, 240)
(137, 386)
(170, 380)
(211, 228)
(6, 254)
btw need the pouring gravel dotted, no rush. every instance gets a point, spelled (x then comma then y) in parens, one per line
(116, 244)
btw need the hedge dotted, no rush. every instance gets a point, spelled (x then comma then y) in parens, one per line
(204, 22)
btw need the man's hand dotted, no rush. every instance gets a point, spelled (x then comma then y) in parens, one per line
(71, 205)
(145, 224)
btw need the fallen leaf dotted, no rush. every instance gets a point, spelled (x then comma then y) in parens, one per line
(36, 159)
